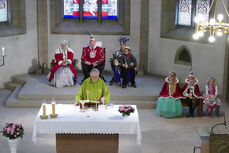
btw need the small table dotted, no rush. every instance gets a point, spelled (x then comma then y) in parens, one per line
(87, 132)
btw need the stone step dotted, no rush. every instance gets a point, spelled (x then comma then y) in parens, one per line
(30, 90)
(72, 97)
(18, 80)
(11, 85)
(14, 102)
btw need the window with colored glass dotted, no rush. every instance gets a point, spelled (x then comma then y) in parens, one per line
(3, 10)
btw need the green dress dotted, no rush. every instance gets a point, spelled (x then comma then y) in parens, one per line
(169, 107)
(93, 91)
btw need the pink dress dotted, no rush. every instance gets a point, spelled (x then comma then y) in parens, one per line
(210, 99)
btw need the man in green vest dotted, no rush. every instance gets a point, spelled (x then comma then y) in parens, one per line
(93, 89)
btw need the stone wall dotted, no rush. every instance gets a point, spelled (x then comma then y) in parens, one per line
(110, 42)
(21, 50)
(207, 59)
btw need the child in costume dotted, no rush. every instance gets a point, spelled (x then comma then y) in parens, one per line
(191, 93)
(210, 99)
(116, 62)
(169, 104)
(129, 68)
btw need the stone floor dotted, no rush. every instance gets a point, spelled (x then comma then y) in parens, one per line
(159, 135)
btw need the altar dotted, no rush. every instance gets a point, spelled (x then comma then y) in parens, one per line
(89, 131)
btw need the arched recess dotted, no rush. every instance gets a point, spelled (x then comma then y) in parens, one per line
(183, 56)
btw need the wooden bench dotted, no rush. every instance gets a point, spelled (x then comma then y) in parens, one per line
(200, 106)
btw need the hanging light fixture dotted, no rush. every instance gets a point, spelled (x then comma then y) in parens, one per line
(213, 27)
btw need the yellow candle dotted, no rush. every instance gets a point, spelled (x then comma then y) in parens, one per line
(44, 110)
(53, 108)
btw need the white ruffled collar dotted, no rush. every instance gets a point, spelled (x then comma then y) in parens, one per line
(167, 80)
(196, 81)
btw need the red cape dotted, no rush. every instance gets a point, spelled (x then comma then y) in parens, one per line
(165, 91)
(59, 57)
(99, 57)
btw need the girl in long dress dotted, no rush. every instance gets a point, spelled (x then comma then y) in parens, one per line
(169, 104)
(210, 99)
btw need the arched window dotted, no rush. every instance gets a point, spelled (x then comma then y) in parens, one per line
(90, 9)
(188, 9)
(183, 56)
(3, 10)
(107, 17)
(12, 17)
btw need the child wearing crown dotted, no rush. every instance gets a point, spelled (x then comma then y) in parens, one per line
(191, 93)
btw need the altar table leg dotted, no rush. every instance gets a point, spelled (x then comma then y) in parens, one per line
(87, 143)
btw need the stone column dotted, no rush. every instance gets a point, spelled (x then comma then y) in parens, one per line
(143, 63)
(42, 35)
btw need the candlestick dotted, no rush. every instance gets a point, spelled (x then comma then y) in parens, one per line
(53, 108)
(44, 110)
(44, 116)
(3, 51)
(53, 115)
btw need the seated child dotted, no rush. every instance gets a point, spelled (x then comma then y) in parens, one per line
(191, 93)
(210, 99)
(129, 68)
(169, 104)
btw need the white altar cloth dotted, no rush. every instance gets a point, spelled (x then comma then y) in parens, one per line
(107, 120)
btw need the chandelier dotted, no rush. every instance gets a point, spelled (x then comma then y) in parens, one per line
(215, 27)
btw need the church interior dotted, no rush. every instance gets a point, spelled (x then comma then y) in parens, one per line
(164, 36)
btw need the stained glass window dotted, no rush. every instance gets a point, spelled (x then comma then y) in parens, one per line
(109, 9)
(185, 12)
(202, 9)
(71, 8)
(90, 9)
(3, 11)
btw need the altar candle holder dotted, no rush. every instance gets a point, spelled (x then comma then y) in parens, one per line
(44, 116)
(53, 115)
(3, 57)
